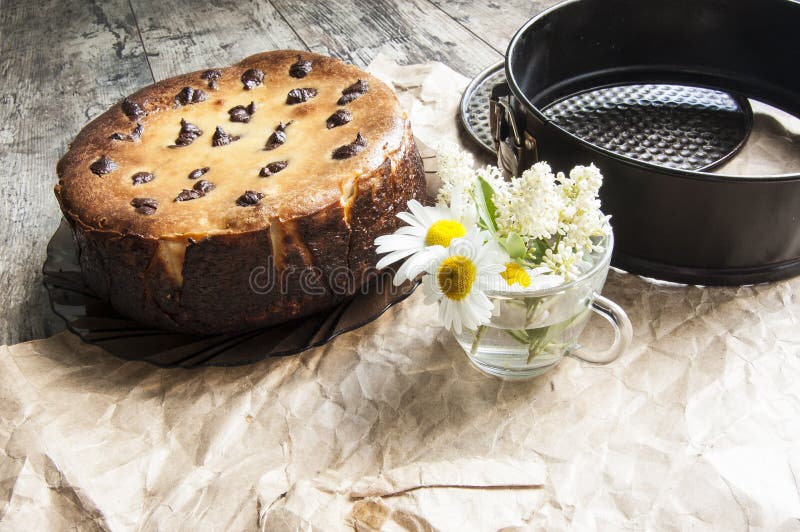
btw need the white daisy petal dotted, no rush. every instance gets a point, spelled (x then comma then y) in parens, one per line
(411, 230)
(448, 313)
(469, 316)
(393, 257)
(400, 245)
(444, 312)
(418, 210)
(411, 220)
(394, 242)
(454, 319)
(421, 261)
(431, 291)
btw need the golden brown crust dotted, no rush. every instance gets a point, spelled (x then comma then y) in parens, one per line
(312, 180)
(208, 265)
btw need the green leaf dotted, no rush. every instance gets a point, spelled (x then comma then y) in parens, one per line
(484, 220)
(485, 204)
(488, 196)
(515, 246)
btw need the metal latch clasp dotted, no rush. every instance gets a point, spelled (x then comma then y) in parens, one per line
(516, 148)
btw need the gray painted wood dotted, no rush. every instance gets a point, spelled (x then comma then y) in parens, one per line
(63, 62)
(494, 22)
(409, 31)
(185, 35)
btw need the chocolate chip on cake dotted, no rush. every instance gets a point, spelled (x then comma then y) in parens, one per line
(190, 95)
(199, 172)
(301, 95)
(361, 86)
(140, 178)
(221, 138)
(187, 195)
(132, 110)
(204, 187)
(136, 134)
(249, 198)
(240, 113)
(339, 118)
(252, 78)
(212, 76)
(348, 150)
(354, 91)
(273, 168)
(189, 132)
(200, 189)
(144, 205)
(278, 137)
(301, 68)
(103, 165)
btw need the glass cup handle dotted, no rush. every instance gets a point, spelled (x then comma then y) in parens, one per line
(623, 332)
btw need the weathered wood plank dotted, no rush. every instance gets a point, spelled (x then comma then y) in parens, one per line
(62, 62)
(411, 31)
(185, 35)
(494, 21)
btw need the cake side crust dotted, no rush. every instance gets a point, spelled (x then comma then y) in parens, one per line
(237, 281)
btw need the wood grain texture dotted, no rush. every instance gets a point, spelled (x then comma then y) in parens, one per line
(185, 35)
(62, 62)
(494, 21)
(410, 31)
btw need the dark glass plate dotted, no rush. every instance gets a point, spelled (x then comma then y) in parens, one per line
(96, 322)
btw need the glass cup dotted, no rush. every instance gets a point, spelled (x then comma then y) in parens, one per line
(532, 330)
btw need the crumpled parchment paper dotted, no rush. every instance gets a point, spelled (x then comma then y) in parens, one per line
(696, 427)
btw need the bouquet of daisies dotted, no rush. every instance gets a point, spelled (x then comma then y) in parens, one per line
(490, 234)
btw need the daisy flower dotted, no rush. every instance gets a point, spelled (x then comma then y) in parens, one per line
(459, 276)
(429, 229)
(518, 278)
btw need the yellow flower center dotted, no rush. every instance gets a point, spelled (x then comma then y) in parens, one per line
(443, 231)
(455, 276)
(514, 273)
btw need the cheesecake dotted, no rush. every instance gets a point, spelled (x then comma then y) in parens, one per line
(240, 197)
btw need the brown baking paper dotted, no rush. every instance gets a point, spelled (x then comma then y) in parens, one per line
(388, 427)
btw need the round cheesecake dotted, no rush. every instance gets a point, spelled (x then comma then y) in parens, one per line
(239, 197)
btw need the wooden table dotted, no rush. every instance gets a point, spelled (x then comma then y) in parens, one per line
(63, 62)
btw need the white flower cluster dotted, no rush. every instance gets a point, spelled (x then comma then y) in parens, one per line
(557, 217)
(532, 206)
(580, 218)
(458, 182)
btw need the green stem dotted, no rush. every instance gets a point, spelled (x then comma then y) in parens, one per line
(478, 335)
(520, 335)
(544, 337)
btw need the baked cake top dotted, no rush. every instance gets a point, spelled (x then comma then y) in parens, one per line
(279, 135)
